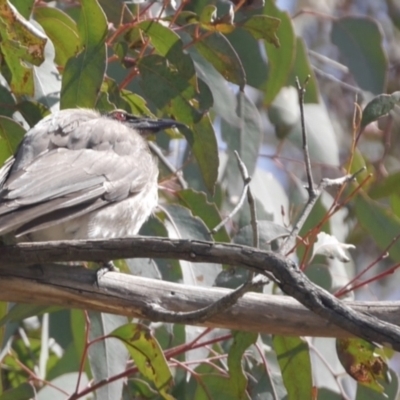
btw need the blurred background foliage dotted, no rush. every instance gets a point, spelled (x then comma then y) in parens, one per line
(227, 70)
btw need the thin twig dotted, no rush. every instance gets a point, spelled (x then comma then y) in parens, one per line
(156, 312)
(325, 183)
(301, 92)
(239, 205)
(332, 78)
(250, 200)
(156, 150)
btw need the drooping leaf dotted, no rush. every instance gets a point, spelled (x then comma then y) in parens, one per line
(205, 148)
(32, 111)
(22, 392)
(84, 73)
(263, 27)
(168, 90)
(19, 311)
(237, 377)
(361, 362)
(390, 389)
(147, 355)
(11, 134)
(208, 212)
(378, 107)
(280, 59)
(21, 41)
(107, 357)
(7, 102)
(294, 359)
(379, 222)
(24, 7)
(217, 50)
(385, 186)
(245, 138)
(253, 61)
(359, 40)
(184, 225)
(62, 31)
(302, 69)
(224, 103)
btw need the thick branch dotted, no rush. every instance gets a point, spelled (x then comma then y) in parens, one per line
(292, 281)
(117, 293)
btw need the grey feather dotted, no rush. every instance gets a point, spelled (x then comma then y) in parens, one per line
(79, 171)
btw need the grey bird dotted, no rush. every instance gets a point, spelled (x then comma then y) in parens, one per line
(79, 174)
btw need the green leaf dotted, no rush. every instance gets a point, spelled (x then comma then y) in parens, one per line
(280, 60)
(205, 148)
(170, 269)
(137, 104)
(252, 59)
(224, 99)
(385, 186)
(107, 357)
(167, 89)
(21, 311)
(185, 225)
(238, 380)
(218, 51)
(162, 38)
(208, 14)
(208, 212)
(19, 34)
(215, 386)
(360, 361)
(379, 222)
(378, 107)
(263, 27)
(359, 40)
(301, 69)
(22, 392)
(7, 102)
(78, 327)
(84, 74)
(21, 42)
(117, 11)
(390, 390)
(147, 355)
(62, 31)
(294, 360)
(244, 137)
(32, 111)
(11, 134)
(24, 7)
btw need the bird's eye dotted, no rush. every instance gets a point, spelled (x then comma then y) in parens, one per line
(119, 116)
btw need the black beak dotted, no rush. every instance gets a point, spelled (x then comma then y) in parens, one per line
(143, 125)
(150, 125)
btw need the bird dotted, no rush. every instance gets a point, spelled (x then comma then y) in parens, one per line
(81, 174)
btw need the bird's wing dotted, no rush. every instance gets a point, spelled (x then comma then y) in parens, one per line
(76, 181)
(5, 170)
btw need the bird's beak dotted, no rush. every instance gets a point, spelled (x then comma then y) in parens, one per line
(149, 125)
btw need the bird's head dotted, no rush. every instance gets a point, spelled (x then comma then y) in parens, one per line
(143, 125)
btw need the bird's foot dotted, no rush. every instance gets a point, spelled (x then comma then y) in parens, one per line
(107, 266)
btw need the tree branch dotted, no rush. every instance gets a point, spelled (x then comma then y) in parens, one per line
(289, 278)
(133, 296)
